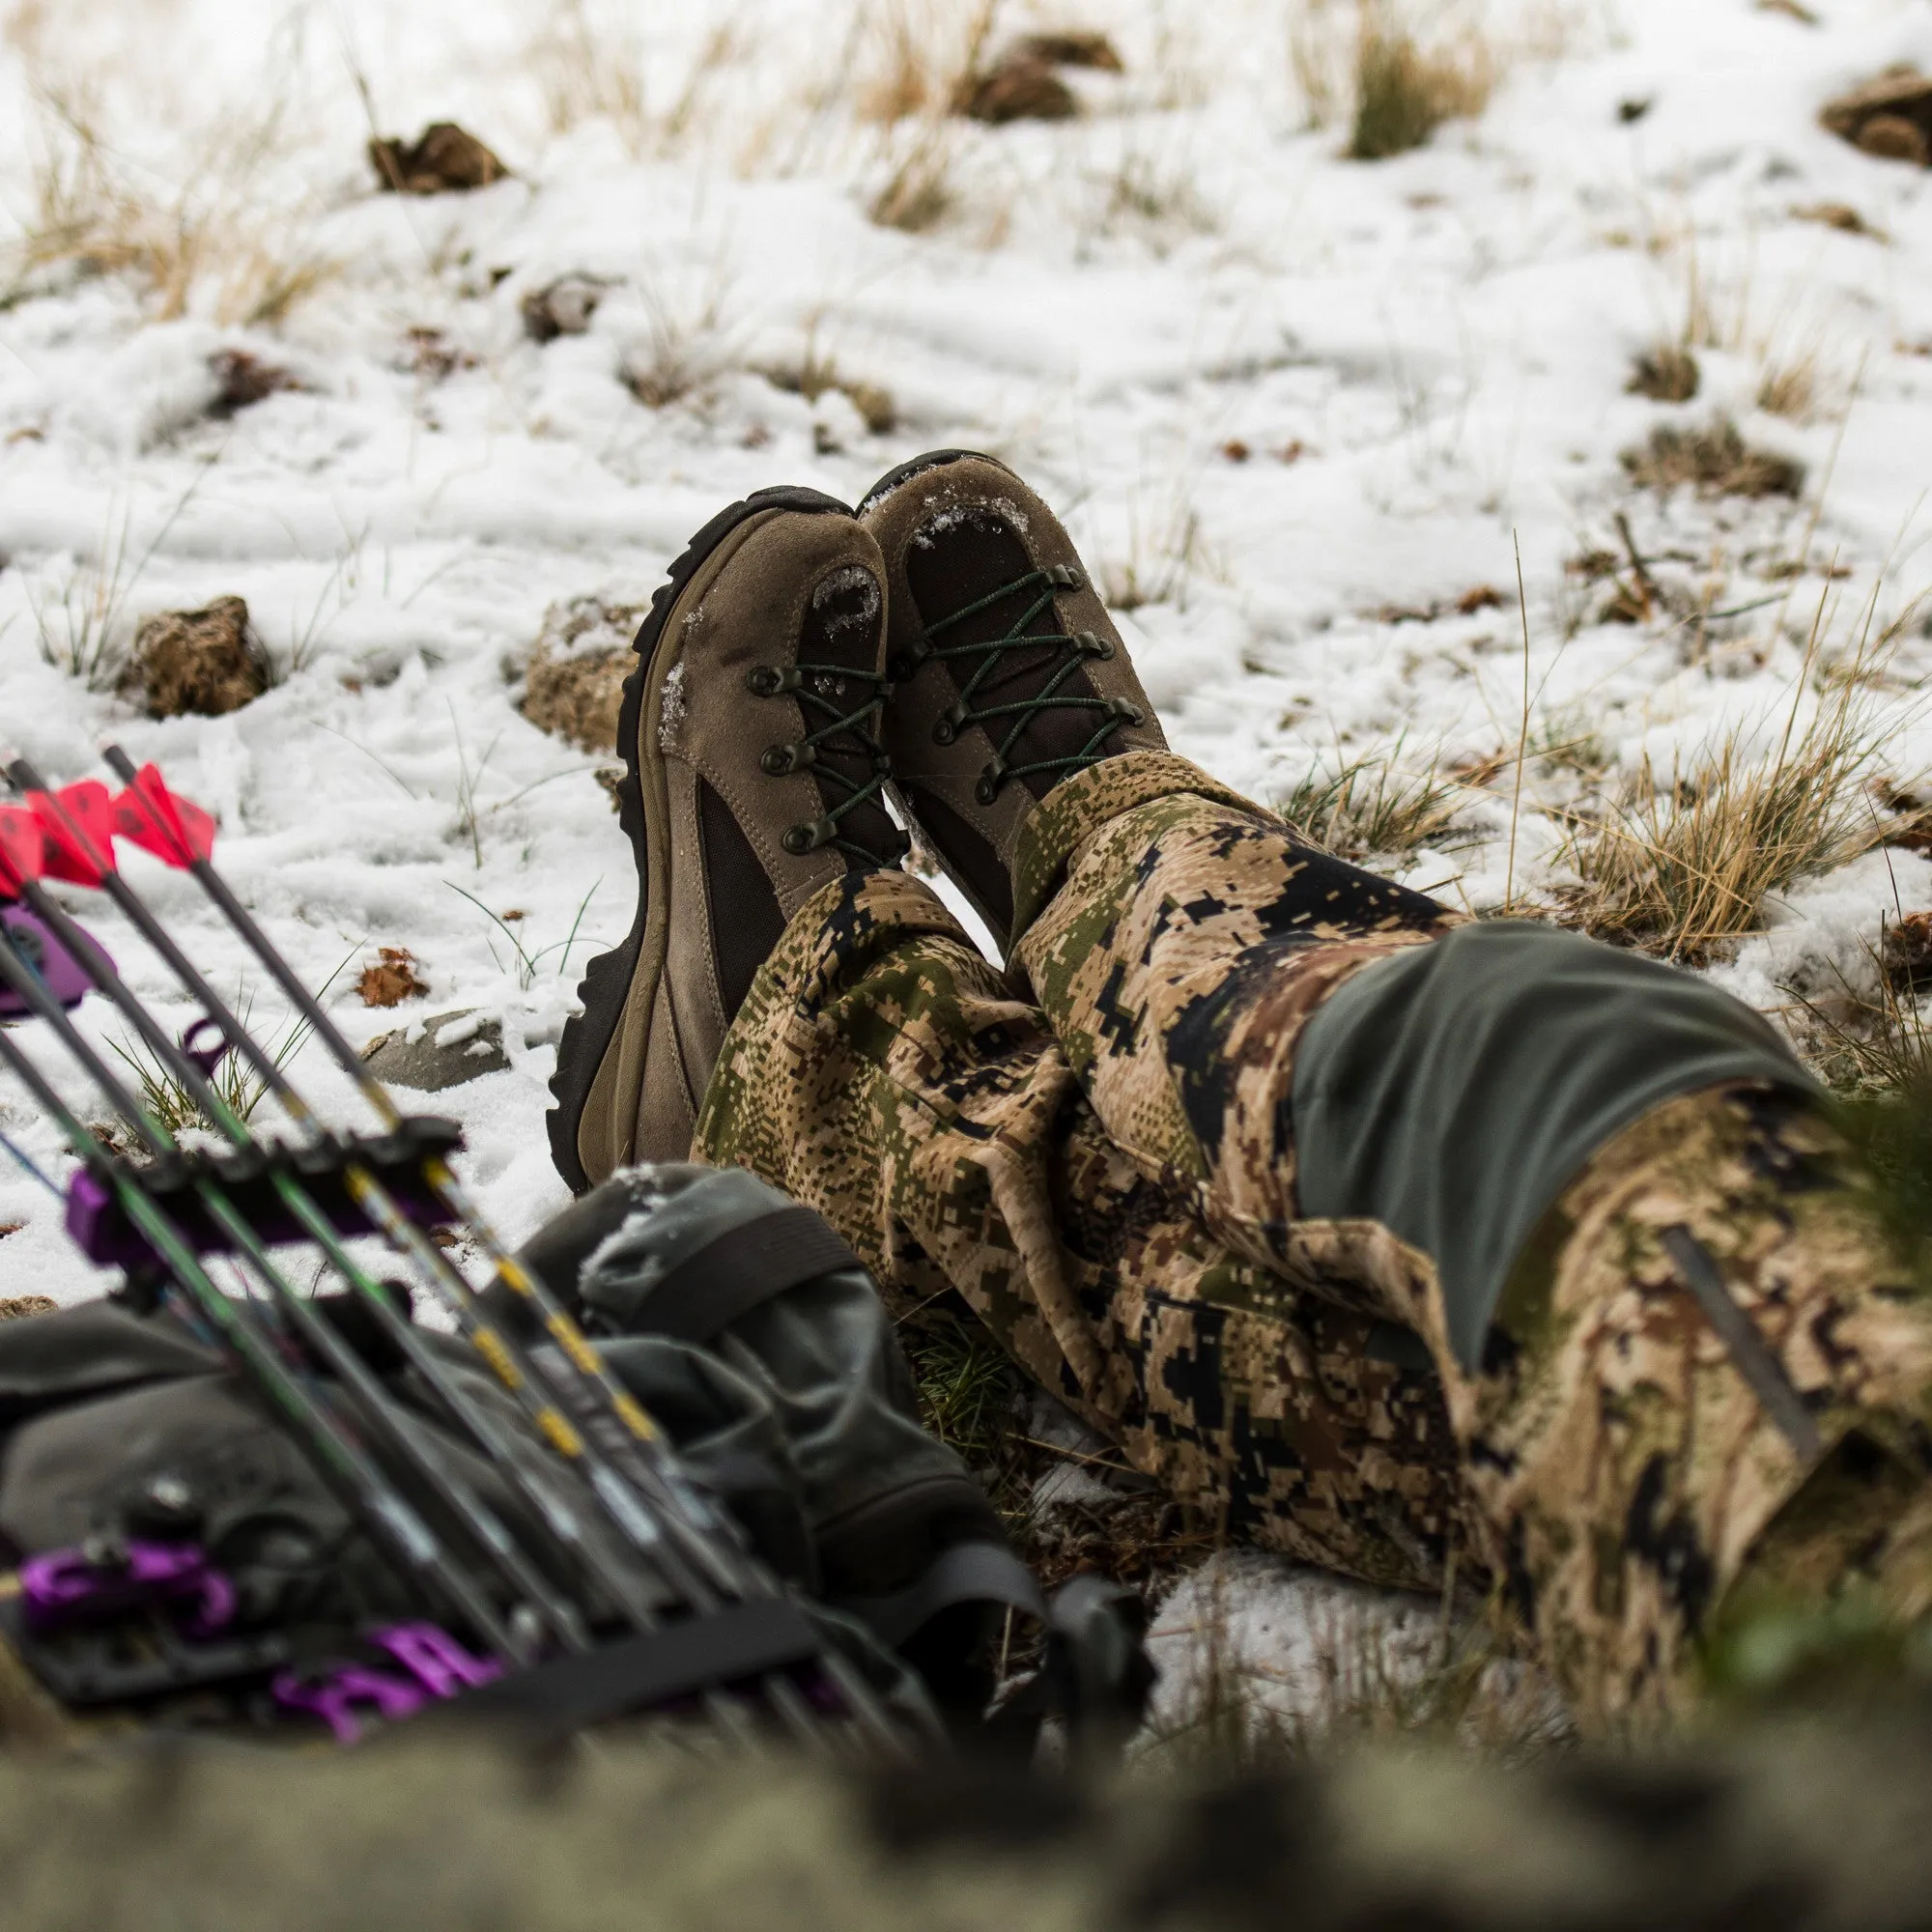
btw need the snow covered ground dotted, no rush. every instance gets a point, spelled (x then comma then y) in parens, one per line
(1297, 408)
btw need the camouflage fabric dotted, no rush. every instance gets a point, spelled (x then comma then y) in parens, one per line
(1094, 1151)
(1625, 1470)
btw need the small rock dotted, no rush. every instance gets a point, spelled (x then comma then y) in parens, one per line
(564, 307)
(1891, 137)
(14, 1306)
(575, 686)
(208, 662)
(1633, 109)
(1235, 450)
(1090, 50)
(1889, 117)
(445, 160)
(393, 979)
(245, 380)
(1482, 597)
(1017, 89)
(443, 1051)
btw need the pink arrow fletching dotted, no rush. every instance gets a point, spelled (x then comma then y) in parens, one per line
(86, 860)
(175, 830)
(22, 849)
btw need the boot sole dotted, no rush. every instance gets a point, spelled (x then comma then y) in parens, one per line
(608, 979)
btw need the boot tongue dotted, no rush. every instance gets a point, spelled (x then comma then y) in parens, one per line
(959, 557)
(843, 621)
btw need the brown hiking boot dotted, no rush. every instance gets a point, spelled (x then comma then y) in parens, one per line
(1008, 673)
(753, 778)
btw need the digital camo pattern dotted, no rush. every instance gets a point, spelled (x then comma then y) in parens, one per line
(883, 1072)
(1621, 1463)
(1177, 966)
(1106, 1178)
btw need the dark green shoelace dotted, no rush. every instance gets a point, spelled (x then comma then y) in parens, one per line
(810, 684)
(1111, 712)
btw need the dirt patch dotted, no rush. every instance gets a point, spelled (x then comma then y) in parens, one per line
(445, 160)
(1665, 375)
(393, 979)
(1714, 458)
(206, 662)
(245, 380)
(14, 1307)
(1889, 118)
(575, 685)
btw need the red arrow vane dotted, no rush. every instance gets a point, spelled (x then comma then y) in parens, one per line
(175, 830)
(77, 823)
(22, 849)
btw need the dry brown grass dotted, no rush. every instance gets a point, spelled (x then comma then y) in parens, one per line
(1373, 807)
(1714, 458)
(1682, 863)
(816, 372)
(1791, 388)
(206, 242)
(1665, 373)
(916, 57)
(1405, 89)
(916, 193)
(590, 69)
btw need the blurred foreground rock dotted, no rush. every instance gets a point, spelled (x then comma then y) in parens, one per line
(206, 661)
(446, 158)
(1798, 1828)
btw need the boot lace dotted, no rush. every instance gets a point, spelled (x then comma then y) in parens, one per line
(842, 736)
(1038, 587)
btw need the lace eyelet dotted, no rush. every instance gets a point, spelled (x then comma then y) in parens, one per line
(943, 732)
(1063, 576)
(799, 841)
(776, 763)
(763, 681)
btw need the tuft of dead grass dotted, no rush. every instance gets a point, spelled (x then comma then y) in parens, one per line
(1681, 865)
(817, 371)
(1714, 458)
(1372, 807)
(685, 347)
(1665, 373)
(1405, 90)
(209, 243)
(1791, 388)
(588, 68)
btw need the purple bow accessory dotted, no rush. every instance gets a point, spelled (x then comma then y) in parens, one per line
(58, 969)
(106, 1577)
(439, 1666)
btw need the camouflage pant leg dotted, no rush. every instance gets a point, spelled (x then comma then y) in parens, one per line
(1189, 941)
(884, 1074)
(1624, 1466)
